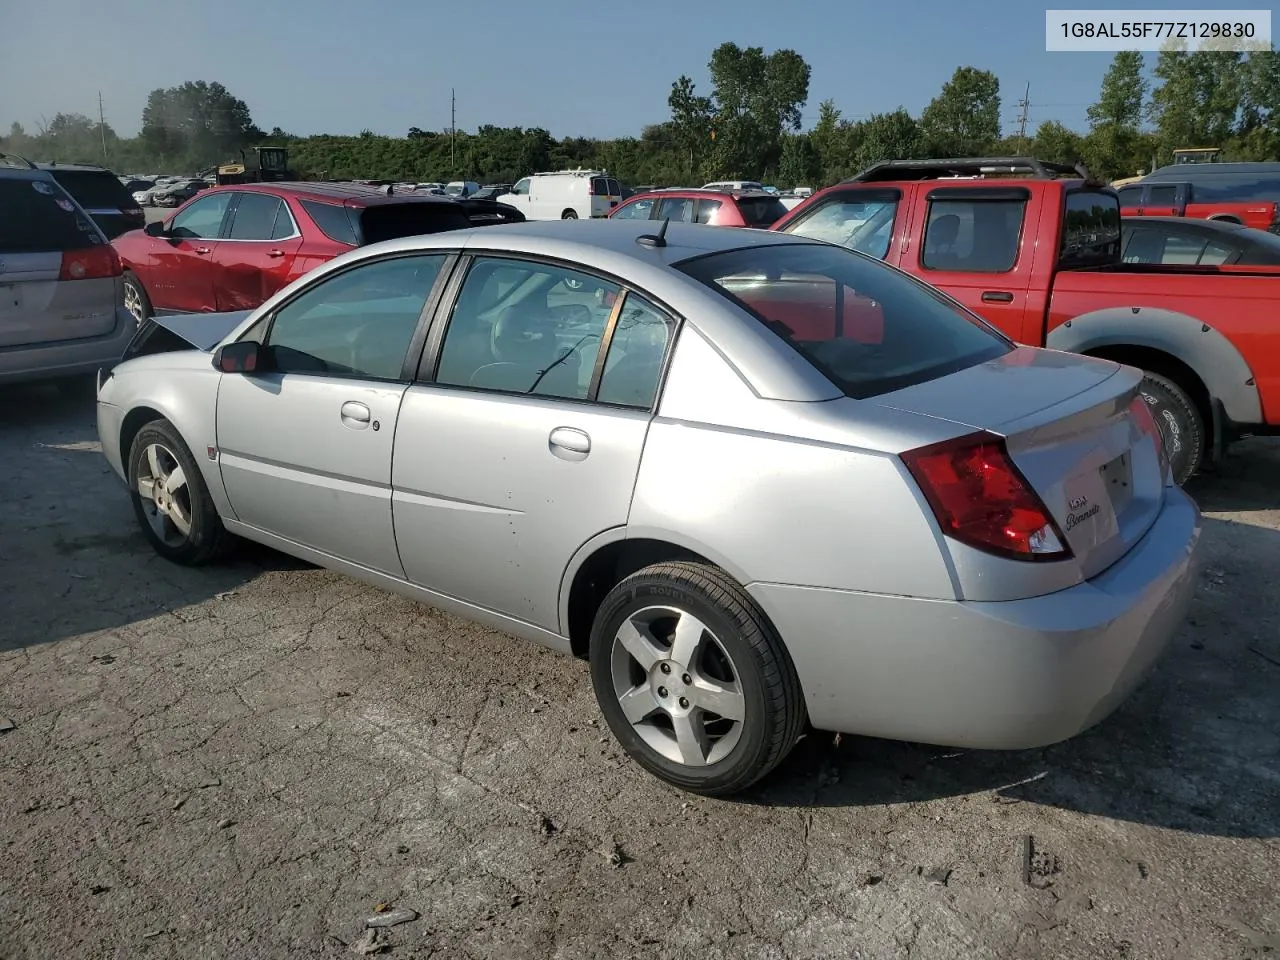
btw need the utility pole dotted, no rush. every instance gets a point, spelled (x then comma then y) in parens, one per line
(453, 131)
(1023, 106)
(102, 127)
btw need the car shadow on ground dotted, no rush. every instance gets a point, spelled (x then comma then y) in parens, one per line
(74, 560)
(1197, 747)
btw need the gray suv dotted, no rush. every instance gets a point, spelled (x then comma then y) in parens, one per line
(61, 291)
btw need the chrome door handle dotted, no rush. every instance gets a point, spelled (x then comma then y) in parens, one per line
(355, 415)
(275, 253)
(569, 443)
(202, 249)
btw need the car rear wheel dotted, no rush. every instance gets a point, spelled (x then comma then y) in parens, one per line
(136, 300)
(693, 680)
(1180, 422)
(171, 500)
(569, 215)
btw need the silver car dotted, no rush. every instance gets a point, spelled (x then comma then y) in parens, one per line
(61, 293)
(757, 480)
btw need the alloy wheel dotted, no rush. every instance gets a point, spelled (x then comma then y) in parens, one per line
(166, 498)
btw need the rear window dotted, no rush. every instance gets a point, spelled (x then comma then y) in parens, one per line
(39, 218)
(606, 187)
(332, 220)
(389, 221)
(95, 189)
(868, 328)
(761, 211)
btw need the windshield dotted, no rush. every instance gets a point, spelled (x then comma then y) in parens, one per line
(868, 328)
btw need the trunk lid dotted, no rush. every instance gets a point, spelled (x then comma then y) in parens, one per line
(1068, 428)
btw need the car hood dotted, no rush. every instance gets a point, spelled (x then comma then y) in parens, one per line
(204, 331)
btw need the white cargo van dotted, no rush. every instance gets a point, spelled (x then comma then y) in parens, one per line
(565, 195)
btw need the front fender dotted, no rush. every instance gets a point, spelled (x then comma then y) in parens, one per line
(1205, 350)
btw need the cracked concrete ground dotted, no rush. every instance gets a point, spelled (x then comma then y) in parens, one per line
(244, 761)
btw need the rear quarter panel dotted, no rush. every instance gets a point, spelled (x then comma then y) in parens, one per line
(1221, 323)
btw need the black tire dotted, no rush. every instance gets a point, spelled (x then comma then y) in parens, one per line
(569, 215)
(1181, 425)
(207, 539)
(131, 281)
(774, 712)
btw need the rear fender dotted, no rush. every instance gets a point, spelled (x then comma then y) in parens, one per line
(1213, 357)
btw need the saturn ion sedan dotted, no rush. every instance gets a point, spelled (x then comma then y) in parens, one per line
(757, 481)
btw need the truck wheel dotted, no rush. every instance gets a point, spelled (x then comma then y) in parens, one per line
(569, 215)
(1180, 422)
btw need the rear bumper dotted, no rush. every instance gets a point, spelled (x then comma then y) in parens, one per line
(68, 358)
(1011, 675)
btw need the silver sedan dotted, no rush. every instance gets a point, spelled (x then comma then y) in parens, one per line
(759, 481)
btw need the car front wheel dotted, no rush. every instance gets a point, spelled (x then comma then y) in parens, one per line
(171, 500)
(693, 680)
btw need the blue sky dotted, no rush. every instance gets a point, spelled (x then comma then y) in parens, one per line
(575, 68)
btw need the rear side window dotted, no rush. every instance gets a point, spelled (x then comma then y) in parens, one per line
(972, 236)
(390, 221)
(861, 221)
(1090, 229)
(1240, 188)
(255, 217)
(95, 189)
(679, 209)
(868, 328)
(332, 220)
(707, 211)
(761, 211)
(40, 218)
(1162, 196)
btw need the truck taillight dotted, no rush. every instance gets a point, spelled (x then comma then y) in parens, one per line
(981, 498)
(91, 263)
(1140, 410)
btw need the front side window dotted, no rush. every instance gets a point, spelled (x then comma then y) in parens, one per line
(639, 209)
(868, 328)
(358, 323)
(202, 220)
(860, 223)
(634, 364)
(521, 188)
(255, 217)
(972, 236)
(526, 327)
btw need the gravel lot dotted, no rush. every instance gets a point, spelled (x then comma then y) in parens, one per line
(245, 761)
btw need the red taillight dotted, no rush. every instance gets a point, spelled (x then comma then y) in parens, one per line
(982, 499)
(92, 263)
(1140, 410)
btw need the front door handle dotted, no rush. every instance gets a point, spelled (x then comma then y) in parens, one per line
(355, 415)
(568, 443)
(997, 296)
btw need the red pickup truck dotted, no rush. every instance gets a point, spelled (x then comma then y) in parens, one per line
(1034, 248)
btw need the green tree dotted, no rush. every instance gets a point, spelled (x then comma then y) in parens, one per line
(1199, 97)
(197, 123)
(690, 125)
(886, 136)
(800, 163)
(1055, 143)
(756, 98)
(1258, 132)
(1124, 91)
(964, 119)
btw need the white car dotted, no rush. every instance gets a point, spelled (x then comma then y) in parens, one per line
(565, 195)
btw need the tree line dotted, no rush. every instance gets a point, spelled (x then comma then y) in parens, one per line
(747, 125)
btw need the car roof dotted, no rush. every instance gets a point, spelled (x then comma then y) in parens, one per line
(707, 193)
(1193, 223)
(77, 167)
(362, 194)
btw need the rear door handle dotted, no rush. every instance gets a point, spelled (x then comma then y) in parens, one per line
(568, 443)
(355, 415)
(275, 253)
(997, 296)
(202, 249)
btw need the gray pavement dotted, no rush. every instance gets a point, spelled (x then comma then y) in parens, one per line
(247, 761)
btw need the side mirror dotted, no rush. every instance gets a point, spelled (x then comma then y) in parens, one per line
(155, 229)
(243, 356)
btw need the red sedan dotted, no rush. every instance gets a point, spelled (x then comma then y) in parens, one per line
(718, 208)
(233, 247)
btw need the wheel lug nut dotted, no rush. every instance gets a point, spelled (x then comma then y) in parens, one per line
(662, 691)
(686, 680)
(665, 668)
(684, 703)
